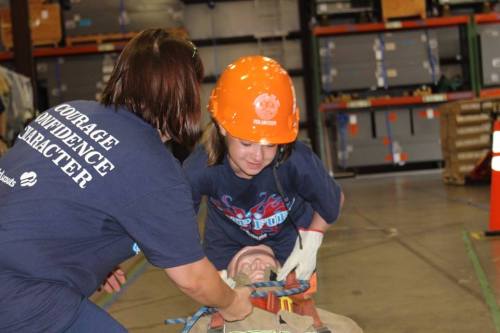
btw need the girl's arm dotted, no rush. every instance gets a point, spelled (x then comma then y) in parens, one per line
(318, 223)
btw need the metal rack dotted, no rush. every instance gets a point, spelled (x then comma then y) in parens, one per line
(374, 105)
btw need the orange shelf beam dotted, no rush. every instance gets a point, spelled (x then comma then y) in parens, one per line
(492, 92)
(392, 25)
(487, 18)
(69, 50)
(79, 49)
(6, 55)
(396, 101)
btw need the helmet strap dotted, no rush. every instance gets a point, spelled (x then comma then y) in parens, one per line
(280, 156)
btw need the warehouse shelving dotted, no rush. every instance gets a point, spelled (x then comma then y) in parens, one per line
(391, 25)
(394, 102)
(69, 50)
(292, 35)
(471, 25)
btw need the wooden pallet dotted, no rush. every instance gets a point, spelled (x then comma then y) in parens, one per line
(99, 39)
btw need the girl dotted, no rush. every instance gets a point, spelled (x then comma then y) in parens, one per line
(263, 186)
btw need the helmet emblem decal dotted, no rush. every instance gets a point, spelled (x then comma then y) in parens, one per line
(266, 106)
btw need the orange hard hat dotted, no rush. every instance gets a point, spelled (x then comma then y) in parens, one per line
(254, 100)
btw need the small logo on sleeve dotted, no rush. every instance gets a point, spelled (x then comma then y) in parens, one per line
(9, 181)
(28, 179)
(136, 248)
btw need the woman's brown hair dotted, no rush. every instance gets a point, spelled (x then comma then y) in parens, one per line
(157, 77)
(215, 145)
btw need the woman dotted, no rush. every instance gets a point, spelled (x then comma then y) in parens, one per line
(263, 186)
(87, 184)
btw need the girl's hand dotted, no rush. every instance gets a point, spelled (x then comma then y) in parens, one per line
(115, 280)
(303, 260)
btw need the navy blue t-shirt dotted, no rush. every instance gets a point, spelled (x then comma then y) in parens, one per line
(83, 189)
(243, 212)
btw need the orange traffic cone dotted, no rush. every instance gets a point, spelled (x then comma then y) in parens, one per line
(494, 226)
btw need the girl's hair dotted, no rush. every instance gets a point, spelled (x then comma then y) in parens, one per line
(215, 145)
(157, 77)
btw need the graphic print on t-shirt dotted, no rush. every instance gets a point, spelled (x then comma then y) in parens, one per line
(260, 221)
(73, 142)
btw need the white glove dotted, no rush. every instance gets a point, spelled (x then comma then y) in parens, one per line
(304, 261)
(229, 281)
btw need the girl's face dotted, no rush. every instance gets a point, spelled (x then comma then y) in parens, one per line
(248, 158)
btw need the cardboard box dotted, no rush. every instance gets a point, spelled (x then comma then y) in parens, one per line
(398, 8)
(45, 22)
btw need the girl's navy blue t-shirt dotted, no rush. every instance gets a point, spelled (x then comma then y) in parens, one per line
(244, 212)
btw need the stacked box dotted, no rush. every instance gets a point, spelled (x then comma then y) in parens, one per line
(348, 62)
(89, 17)
(392, 136)
(465, 137)
(425, 121)
(397, 9)
(242, 18)
(408, 58)
(490, 54)
(425, 142)
(393, 129)
(141, 14)
(337, 7)
(75, 77)
(96, 17)
(45, 23)
(216, 58)
(371, 61)
(355, 142)
(448, 39)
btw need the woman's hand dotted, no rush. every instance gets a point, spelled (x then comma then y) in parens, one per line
(240, 307)
(115, 280)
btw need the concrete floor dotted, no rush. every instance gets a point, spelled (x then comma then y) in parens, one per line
(397, 261)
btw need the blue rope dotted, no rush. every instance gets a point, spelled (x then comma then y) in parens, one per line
(190, 321)
(342, 121)
(122, 16)
(389, 134)
(303, 286)
(330, 62)
(382, 60)
(432, 59)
